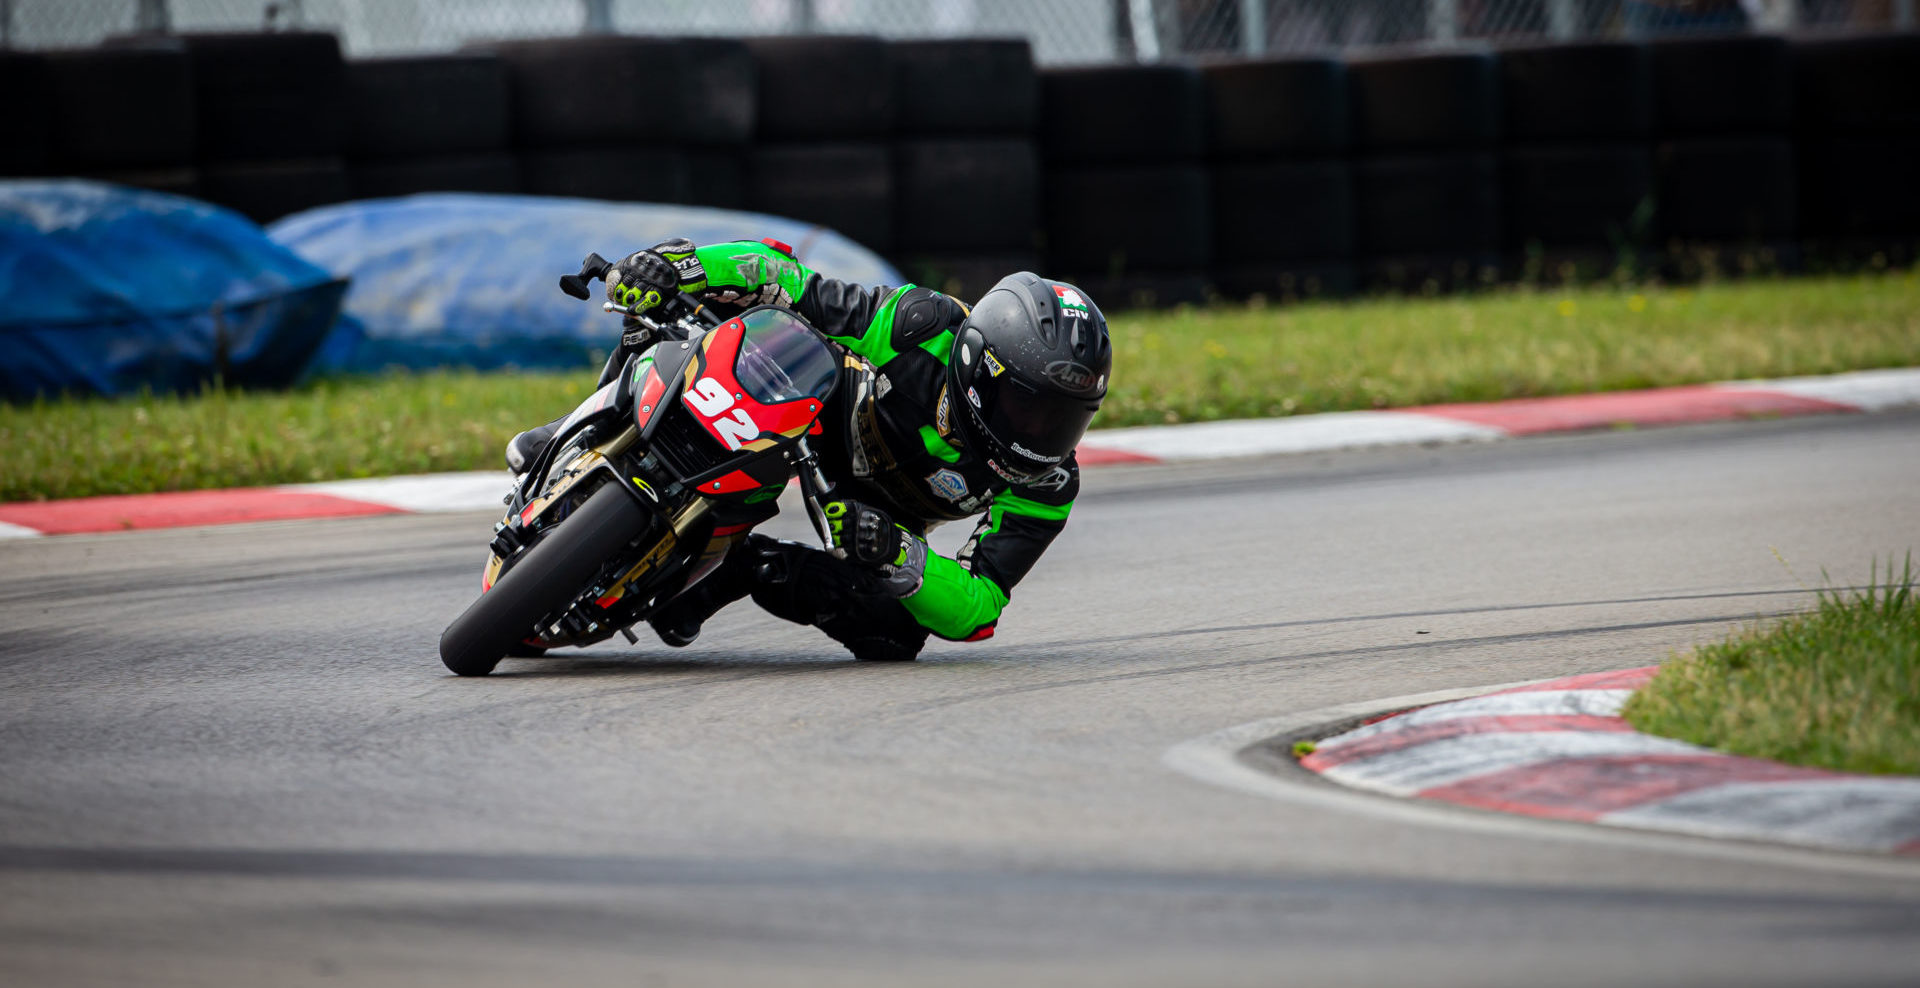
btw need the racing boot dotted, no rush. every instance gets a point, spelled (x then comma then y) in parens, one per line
(804, 585)
(524, 448)
(678, 623)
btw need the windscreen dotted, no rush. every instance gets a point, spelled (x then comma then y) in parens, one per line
(781, 359)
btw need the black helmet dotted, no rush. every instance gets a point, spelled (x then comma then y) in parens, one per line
(1029, 368)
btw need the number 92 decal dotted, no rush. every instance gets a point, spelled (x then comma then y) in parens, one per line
(710, 400)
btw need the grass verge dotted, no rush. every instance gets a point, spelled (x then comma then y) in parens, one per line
(1183, 366)
(1838, 688)
(1254, 363)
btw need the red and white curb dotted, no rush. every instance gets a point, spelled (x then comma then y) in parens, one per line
(1860, 391)
(1560, 750)
(418, 494)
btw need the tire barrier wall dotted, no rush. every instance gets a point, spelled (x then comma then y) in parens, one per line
(966, 169)
(1857, 139)
(1576, 179)
(1283, 202)
(1128, 208)
(1148, 184)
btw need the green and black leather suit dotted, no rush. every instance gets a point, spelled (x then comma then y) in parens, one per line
(893, 440)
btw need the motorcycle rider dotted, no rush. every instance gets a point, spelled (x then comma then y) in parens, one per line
(944, 412)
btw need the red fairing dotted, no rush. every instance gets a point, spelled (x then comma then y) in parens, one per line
(650, 393)
(733, 483)
(731, 415)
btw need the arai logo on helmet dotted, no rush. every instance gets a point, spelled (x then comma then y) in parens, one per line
(1070, 299)
(1070, 375)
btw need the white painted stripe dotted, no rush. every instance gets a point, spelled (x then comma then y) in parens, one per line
(1302, 434)
(11, 531)
(1869, 391)
(1596, 703)
(1440, 763)
(426, 492)
(1845, 811)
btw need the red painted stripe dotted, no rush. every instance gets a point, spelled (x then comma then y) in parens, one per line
(1660, 406)
(1586, 788)
(1094, 456)
(172, 510)
(1391, 741)
(1619, 679)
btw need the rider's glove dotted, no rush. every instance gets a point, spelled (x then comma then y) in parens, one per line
(642, 281)
(646, 278)
(867, 537)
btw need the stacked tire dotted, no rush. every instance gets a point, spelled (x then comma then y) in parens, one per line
(270, 117)
(821, 154)
(1726, 187)
(966, 174)
(24, 121)
(1282, 187)
(1577, 167)
(152, 148)
(1857, 117)
(1426, 178)
(1128, 210)
(623, 118)
(429, 124)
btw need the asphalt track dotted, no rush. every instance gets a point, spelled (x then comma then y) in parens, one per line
(230, 755)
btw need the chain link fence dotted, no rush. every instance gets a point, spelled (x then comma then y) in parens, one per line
(1062, 31)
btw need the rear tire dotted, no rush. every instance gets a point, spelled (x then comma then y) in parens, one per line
(553, 571)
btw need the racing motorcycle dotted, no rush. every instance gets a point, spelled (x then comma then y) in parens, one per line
(616, 515)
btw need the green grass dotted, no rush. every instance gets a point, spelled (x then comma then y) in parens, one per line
(1838, 688)
(1250, 363)
(353, 427)
(1182, 366)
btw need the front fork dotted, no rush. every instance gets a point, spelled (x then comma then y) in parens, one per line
(813, 487)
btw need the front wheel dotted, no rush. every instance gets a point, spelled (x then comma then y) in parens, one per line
(553, 571)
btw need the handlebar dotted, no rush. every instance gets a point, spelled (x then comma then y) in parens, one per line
(677, 307)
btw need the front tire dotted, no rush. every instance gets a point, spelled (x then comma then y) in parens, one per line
(553, 571)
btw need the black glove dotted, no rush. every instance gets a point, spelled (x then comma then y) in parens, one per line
(867, 537)
(642, 281)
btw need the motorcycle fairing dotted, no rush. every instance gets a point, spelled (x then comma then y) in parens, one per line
(731, 413)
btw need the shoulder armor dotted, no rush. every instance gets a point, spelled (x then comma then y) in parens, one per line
(922, 314)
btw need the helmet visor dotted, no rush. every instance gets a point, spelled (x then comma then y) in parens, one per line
(1034, 429)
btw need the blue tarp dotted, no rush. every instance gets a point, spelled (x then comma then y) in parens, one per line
(105, 290)
(454, 279)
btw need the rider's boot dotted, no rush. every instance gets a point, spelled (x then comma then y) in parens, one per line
(804, 585)
(679, 622)
(523, 448)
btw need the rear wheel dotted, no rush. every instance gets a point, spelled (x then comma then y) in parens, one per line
(495, 625)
